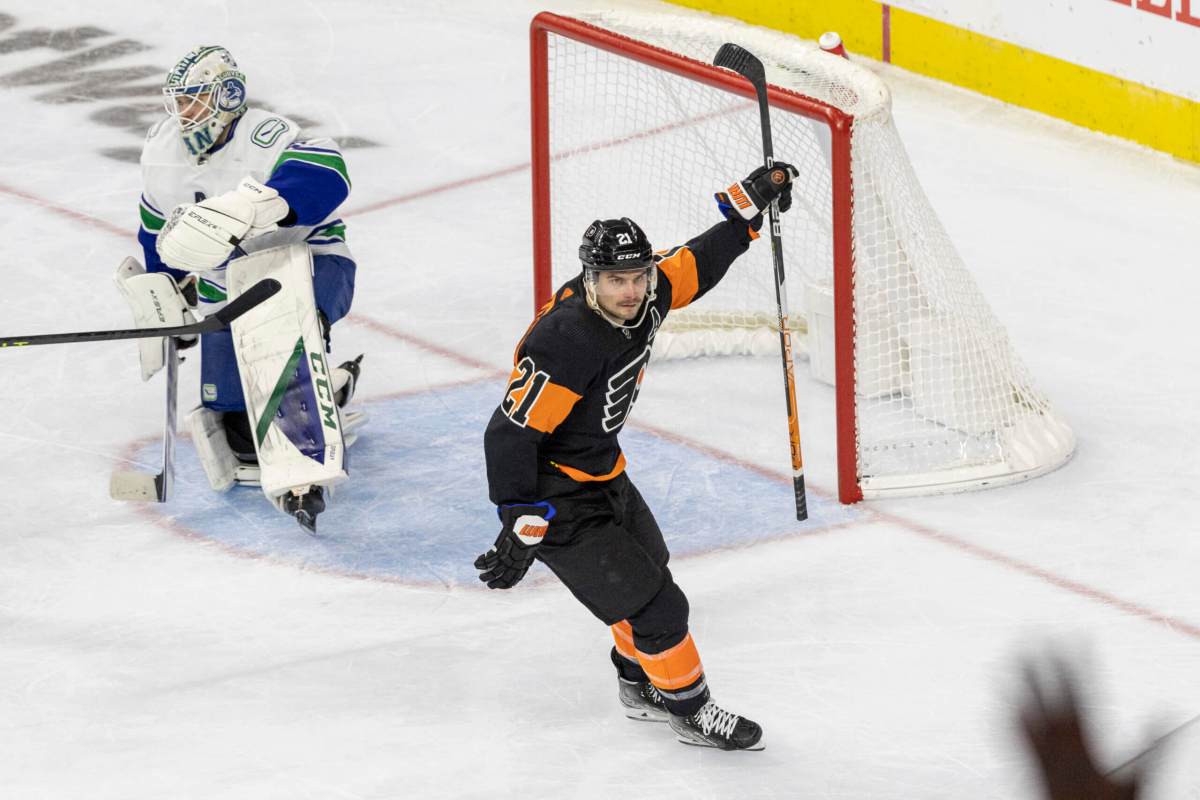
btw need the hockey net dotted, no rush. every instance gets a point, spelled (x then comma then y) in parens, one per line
(630, 119)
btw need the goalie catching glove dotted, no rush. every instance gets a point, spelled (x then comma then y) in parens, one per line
(747, 199)
(202, 236)
(506, 563)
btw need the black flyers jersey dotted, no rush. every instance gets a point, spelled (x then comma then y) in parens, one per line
(576, 376)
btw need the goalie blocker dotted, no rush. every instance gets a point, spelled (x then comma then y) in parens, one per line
(158, 304)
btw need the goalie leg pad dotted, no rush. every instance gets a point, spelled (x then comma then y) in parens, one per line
(216, 457)
(286, 380)
(156, 302)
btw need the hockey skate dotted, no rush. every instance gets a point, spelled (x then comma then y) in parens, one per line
(641, 700)
(305, 507)
(712, 726)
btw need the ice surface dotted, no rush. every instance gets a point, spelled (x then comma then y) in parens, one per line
(208, 648)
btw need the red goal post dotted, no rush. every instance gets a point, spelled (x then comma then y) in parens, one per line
(622, 130)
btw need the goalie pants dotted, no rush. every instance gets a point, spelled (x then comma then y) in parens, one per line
(606, 547)
(220, 386)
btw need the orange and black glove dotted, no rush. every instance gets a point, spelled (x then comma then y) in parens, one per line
(748, 199)
(506, 563)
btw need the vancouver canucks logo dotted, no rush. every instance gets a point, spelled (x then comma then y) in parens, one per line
(233, 95)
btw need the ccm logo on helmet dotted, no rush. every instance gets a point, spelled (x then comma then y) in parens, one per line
(627, 256)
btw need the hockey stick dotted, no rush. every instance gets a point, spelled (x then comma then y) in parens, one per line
(211, 324)
(746, 64)
(1153, 747)
(134, 485)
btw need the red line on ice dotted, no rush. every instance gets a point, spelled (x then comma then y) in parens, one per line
(515, 168)
(871, 514)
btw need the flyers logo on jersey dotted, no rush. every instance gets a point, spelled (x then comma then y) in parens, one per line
(623, 388)
(624, 385)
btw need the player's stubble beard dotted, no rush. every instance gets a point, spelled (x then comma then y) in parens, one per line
(623, 306)
(625, 309)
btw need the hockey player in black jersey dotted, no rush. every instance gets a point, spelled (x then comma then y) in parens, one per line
(557, 474)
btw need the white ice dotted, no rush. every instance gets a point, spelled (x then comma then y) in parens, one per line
(144, 657)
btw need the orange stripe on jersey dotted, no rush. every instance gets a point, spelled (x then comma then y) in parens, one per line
(623, 635)
(680, 269)
(551, 407)
(541, 313)
(675, 668)
(583, 477)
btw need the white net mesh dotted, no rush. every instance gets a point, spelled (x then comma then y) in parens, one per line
(941, 400)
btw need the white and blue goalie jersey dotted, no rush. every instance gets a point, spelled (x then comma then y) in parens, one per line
(307, 171)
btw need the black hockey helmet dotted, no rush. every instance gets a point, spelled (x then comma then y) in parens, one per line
(615, 244)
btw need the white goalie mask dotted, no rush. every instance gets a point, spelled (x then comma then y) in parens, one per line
(204, 93)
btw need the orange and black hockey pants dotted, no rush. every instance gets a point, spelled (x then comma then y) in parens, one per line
(606, 547)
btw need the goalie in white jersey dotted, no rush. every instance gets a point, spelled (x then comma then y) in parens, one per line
(232, 195)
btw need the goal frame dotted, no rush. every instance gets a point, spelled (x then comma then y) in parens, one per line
(840, 125)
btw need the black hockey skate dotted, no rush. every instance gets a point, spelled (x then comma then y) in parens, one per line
(712, 726)
(641, 700)
(305, 507)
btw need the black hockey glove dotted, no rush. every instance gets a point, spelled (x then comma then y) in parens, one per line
(504, 565)
(746, 200)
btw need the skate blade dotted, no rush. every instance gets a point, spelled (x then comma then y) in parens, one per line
(638, 715)
(687, 740)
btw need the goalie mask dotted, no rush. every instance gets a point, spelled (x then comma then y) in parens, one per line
(616, 245)
(204, 93)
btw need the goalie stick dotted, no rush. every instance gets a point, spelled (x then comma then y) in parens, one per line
(142, 486)
(211, 324)
(133, 485)
(746, 64)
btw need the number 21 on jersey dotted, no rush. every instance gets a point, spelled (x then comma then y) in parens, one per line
(523, 391)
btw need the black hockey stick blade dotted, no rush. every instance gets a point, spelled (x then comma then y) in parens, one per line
(219, 321)
(741, 61)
